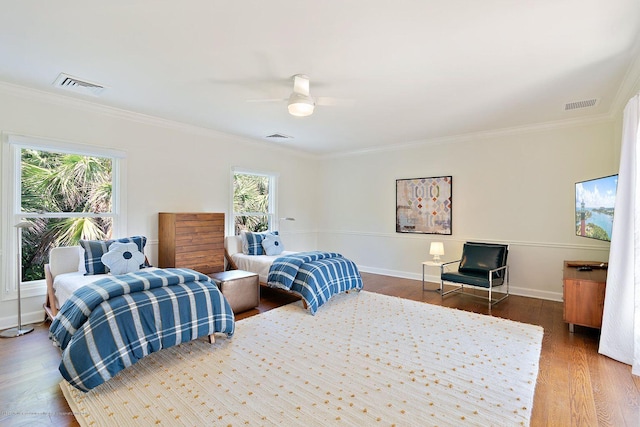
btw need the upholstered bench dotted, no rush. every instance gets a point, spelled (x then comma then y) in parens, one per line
(240, 288)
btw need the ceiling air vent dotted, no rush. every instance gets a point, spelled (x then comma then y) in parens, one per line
(278, 136)
(580, 104)
(67, 82)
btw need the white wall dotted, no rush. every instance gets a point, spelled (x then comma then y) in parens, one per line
(515, 187)
(170, 167)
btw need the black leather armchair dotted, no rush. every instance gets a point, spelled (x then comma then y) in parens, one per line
(482, 265)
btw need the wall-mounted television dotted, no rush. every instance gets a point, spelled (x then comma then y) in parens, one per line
(595, 200)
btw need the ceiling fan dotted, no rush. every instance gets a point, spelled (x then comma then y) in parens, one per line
(300, 103)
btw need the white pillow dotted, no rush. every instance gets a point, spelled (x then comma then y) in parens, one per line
(123, 258)
(272, 245)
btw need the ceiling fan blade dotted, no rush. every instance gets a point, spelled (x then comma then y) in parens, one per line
(267, 100)
(328, 101)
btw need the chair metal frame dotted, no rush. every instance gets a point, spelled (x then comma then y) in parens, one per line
(460, 289)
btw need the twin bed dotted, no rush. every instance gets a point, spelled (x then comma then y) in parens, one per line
(314, 276)
(104, 323)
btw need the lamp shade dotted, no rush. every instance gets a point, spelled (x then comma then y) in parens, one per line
(301, 105)
(436, 249)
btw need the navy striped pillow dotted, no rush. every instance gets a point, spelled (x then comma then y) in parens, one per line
(254, 242)
(94, 249)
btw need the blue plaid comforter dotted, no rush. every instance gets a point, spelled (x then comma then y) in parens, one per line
(112, 323)
(316, 276)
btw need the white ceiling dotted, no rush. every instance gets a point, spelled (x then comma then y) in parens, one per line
(411, 70)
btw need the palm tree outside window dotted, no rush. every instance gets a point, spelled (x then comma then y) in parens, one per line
(67, 192)
(253, 201)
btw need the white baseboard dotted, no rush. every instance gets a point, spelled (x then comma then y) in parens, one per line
(513, 290)
(37, 316)
(536, 293)
(33, 317)
(396, 273)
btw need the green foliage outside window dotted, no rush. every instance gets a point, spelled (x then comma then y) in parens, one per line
(251, 202)
(54, 183)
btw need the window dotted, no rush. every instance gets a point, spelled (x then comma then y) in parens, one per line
(67, 192)
(254, 201)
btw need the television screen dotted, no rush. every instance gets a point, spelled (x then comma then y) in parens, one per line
(594, 207)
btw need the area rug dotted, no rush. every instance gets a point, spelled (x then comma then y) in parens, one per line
(363, 359)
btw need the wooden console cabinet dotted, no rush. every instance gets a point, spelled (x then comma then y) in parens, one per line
(191, 240)
(584, 293)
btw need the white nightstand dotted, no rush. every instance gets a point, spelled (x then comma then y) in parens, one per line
(430, 264)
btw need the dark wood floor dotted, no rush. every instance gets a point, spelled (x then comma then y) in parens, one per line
(576, 386)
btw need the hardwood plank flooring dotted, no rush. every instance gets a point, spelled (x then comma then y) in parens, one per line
(576, 385)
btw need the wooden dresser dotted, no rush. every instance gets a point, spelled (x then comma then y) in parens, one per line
(191, 240)
(584, 293)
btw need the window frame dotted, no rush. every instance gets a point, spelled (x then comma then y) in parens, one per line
(12, 145)
(272, 215)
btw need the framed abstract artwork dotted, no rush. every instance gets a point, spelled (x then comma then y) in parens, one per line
(423, 205)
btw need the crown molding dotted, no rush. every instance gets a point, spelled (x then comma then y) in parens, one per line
(632, 79)
(630, 85)
(63, 100)
(473, 136)
(628, 88)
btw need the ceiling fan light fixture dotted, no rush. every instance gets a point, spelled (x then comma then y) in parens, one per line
(301, 105)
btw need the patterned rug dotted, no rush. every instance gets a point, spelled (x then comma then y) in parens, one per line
(363, 359)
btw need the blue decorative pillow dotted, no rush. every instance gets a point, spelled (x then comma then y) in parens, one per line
(123, 258)
(272, 245)
(252, 242)
(94, 249)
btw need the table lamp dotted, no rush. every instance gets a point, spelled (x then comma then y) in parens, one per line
(436, 249)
